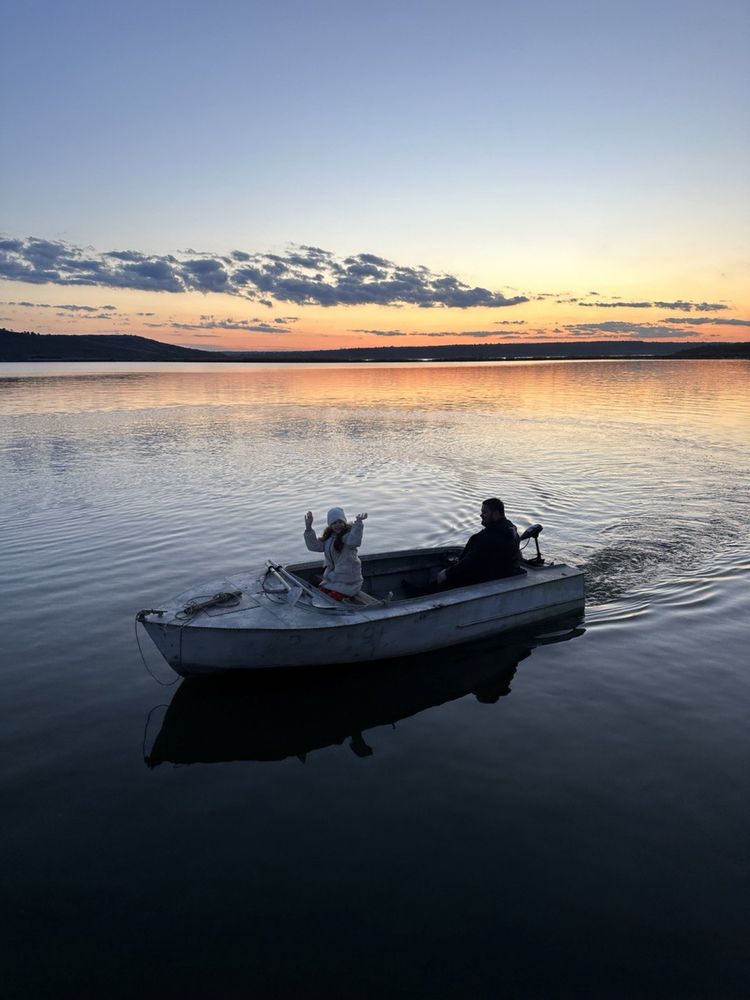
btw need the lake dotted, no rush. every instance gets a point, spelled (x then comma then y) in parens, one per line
(563, 814)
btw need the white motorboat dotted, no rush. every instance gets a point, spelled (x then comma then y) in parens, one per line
(276, 617)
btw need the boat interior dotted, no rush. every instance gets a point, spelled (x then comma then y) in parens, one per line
(384, 574)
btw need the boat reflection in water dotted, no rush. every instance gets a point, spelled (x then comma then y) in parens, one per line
(265, 716)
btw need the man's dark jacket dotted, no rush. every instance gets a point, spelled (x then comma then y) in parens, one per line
(488, 555)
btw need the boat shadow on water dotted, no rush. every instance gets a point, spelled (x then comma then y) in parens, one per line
(272, 715)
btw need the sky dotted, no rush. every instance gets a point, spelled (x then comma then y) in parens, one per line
(300, 175)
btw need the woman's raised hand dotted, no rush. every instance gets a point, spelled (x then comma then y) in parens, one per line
(361, 517)
(308, 519)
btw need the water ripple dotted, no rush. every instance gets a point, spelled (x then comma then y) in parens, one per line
(224, 463)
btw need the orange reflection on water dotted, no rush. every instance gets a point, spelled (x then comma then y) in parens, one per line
(681, 393)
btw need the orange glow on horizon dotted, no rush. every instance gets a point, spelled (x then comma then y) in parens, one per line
(220, 322)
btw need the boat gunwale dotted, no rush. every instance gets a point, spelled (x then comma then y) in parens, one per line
(341, 615)
(454, 595)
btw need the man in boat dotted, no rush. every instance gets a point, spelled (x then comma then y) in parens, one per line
(490, 554)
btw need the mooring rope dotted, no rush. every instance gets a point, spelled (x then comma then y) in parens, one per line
(140, 650)
(192, 608)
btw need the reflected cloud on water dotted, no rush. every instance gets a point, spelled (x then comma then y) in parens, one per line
(274, 715)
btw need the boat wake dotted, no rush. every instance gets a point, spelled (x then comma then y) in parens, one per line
(640, 561)
(617, 570)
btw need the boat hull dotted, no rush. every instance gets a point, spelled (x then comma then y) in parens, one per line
(282, 635)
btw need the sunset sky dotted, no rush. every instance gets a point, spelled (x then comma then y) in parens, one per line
(293, 175)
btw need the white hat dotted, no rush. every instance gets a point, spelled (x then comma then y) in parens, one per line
(336, 514)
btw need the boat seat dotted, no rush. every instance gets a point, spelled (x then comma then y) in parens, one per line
(363, 598)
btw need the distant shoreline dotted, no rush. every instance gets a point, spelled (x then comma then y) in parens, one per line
(301, 360)
(31, 348)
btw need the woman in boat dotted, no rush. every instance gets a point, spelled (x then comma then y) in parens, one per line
(339, 542)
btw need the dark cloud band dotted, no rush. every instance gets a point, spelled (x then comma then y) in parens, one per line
(679, 304)
(304, 275)
(644, 331)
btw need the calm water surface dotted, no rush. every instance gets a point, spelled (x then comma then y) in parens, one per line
(526, 818)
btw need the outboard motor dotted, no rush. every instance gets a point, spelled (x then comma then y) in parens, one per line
(533, 531)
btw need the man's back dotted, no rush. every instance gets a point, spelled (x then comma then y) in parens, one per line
(488, 555)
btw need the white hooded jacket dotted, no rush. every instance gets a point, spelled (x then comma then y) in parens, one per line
(343, 572)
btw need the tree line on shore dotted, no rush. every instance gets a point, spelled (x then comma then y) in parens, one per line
(28, 346)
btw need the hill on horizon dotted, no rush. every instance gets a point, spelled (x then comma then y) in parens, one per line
(29, 347)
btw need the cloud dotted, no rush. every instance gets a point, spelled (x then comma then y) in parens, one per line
(681, 304)
(252, 326)
(616, 305)
(89, 316)
(69, 308)
(206, 275)
(637, 330)
(305, 275)
(707, 320)
(689, 306)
